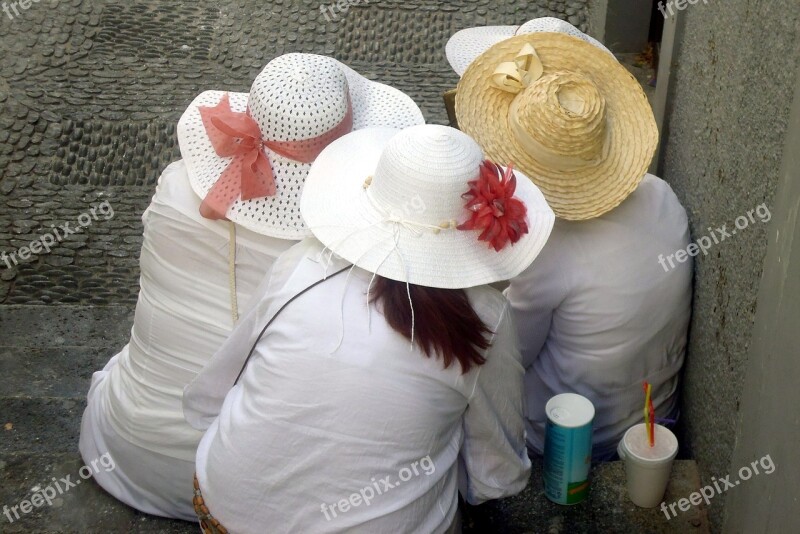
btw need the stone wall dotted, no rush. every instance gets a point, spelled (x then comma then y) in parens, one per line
(733, 80)
(90, 92)
(766, 502)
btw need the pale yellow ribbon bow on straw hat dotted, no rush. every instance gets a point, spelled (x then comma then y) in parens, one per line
(514, 76)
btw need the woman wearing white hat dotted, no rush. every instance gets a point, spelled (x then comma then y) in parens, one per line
(377, 362)
(597, 313)
(219, 219)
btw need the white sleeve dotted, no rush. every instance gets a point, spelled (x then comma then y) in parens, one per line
(203, 397)
(494, 460)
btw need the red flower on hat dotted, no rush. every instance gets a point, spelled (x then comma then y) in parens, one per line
(499, 215)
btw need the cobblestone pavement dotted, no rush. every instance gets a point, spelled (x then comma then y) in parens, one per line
(90, 92)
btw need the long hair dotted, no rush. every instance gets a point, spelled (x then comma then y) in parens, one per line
(445, 324)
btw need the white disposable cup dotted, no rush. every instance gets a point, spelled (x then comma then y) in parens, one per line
(647, 468)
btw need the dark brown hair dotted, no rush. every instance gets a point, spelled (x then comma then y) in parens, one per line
(445, 324)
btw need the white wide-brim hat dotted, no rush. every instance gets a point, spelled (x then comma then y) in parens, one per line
(466, 45)
(304, 95)
(388, 202)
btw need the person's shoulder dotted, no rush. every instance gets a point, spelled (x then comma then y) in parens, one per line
(654, 198)
(489, 303)
(308, 259)
(176, 168)
(653, 186)
(174, 186)
(305, 252)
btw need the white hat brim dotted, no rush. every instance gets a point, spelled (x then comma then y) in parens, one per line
(337, 210)
(374, 104)
(466, 45)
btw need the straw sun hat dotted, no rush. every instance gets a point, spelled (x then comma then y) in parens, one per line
(565, 113)
(411, 205)
(260, 145)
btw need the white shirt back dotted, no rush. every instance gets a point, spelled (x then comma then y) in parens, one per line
(598, 314)
(183, 315)
(310, 426)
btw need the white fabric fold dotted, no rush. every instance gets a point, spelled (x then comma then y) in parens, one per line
(203, 397)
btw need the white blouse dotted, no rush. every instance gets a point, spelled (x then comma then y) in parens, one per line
(183, 315)
(371, 436)
(598, 314)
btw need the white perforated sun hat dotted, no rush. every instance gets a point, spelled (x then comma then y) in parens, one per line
(395, 203)
(466, 45)
(299, 102)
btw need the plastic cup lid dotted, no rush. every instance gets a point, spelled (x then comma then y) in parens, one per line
(637, 444)
(570, 410)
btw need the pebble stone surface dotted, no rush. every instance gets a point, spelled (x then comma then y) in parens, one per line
(90, 93)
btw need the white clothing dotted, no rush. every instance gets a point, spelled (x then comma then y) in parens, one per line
(183, 316)
(151, 482)
(309, 425)
(598, 315)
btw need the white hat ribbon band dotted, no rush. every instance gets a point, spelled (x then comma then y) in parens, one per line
(393, 217)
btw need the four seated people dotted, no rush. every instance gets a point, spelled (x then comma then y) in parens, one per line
(316, 327)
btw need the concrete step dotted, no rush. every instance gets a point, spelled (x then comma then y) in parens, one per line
(47, 357)
(51, 372)
(607, 509)
(83, 508)
(37, 327)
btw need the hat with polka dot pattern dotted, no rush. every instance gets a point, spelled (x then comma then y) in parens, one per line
(248, 154)
(466, 45)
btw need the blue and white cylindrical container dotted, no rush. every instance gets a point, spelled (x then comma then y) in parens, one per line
(568, 448)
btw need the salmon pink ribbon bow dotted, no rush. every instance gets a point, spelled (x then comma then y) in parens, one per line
(249, 175)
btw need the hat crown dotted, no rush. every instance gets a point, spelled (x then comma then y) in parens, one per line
(549, 24)
(298, 97)
(561, 119)
(423, 173)
(554, 25)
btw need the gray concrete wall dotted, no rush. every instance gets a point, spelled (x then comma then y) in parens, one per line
(627, 25)
(726, 123)
(596, 19)
(769, 425)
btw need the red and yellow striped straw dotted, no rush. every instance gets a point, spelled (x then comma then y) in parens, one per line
(649, 414)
